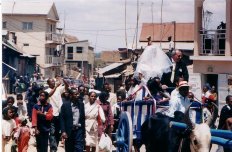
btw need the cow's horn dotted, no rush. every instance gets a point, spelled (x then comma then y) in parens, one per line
(189, 123)
(211, 120)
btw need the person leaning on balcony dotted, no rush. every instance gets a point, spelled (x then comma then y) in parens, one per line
(178, 69)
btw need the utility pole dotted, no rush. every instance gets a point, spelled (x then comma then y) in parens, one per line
(174, 40)
(161, 22)
(125, 28)
(152, 5)
(137, 25)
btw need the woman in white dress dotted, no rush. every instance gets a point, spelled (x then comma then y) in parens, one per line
(93, 114)
(153, 62)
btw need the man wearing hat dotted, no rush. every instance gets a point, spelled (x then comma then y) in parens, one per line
(180, 101)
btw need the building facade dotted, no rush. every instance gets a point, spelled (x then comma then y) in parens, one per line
(79, 56)
(168, 35)
(212, 60)
(35, 28)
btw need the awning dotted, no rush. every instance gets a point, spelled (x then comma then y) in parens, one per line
(109, 67)
(116, 75)
(9, 66)
(48, 66)
(11, 47)
(4, 32)
(27, 55)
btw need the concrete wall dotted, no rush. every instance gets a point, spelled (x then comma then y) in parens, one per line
(228, 51)
(35, 38)
(87, 56)
(212, 67)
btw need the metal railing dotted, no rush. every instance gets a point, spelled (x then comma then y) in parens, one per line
(50, 59)
(213, 42)
(54, 37)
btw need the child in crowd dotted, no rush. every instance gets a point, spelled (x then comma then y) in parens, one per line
(21, 105)
(41, 121)
(22, 135)
(8, 128)
(10, 104)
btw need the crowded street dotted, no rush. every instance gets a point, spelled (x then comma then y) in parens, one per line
(116, 76)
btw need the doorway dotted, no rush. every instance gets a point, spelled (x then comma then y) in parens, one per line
(212, 79)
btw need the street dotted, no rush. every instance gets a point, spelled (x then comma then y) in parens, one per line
(32, 147)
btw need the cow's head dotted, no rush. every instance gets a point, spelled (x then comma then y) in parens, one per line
(200, 135)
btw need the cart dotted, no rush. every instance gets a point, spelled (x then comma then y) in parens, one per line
(134, 114)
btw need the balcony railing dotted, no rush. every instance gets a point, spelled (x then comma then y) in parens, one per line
(213, 42)
(53, 37)
(50, 59)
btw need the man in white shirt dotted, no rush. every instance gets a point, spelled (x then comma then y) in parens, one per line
(55, 91)
(180, 101)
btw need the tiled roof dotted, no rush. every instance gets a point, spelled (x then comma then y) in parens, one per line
(27, 7)
(110, 56)
(184, 31)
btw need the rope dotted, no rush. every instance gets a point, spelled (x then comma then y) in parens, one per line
(148, 91)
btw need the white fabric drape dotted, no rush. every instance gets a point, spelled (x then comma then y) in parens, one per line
(153, 62)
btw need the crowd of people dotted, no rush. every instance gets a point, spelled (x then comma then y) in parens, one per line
(60, 113)
(78, 117)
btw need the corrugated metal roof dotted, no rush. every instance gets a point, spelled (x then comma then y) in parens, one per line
(11, 47)
(26, 7)
(129, 70)
(183, 31)
(70, 38)
(4, 32)
(109, 67)
(116, 75)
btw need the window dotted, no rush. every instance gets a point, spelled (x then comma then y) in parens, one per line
(208, 44)
(25, 44)
(27, 26)
(79, 64)
(48, 27)
(70, 53)
(79, 49)
(3, 24)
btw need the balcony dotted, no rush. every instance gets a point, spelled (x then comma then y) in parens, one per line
(53, 38)
(53, 60)
(212, 43)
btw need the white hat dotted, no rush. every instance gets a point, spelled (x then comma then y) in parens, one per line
(183, 84)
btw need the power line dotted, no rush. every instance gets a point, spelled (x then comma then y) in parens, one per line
(102, 30)
(97, 46)
(119, 36)
(136, 29)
